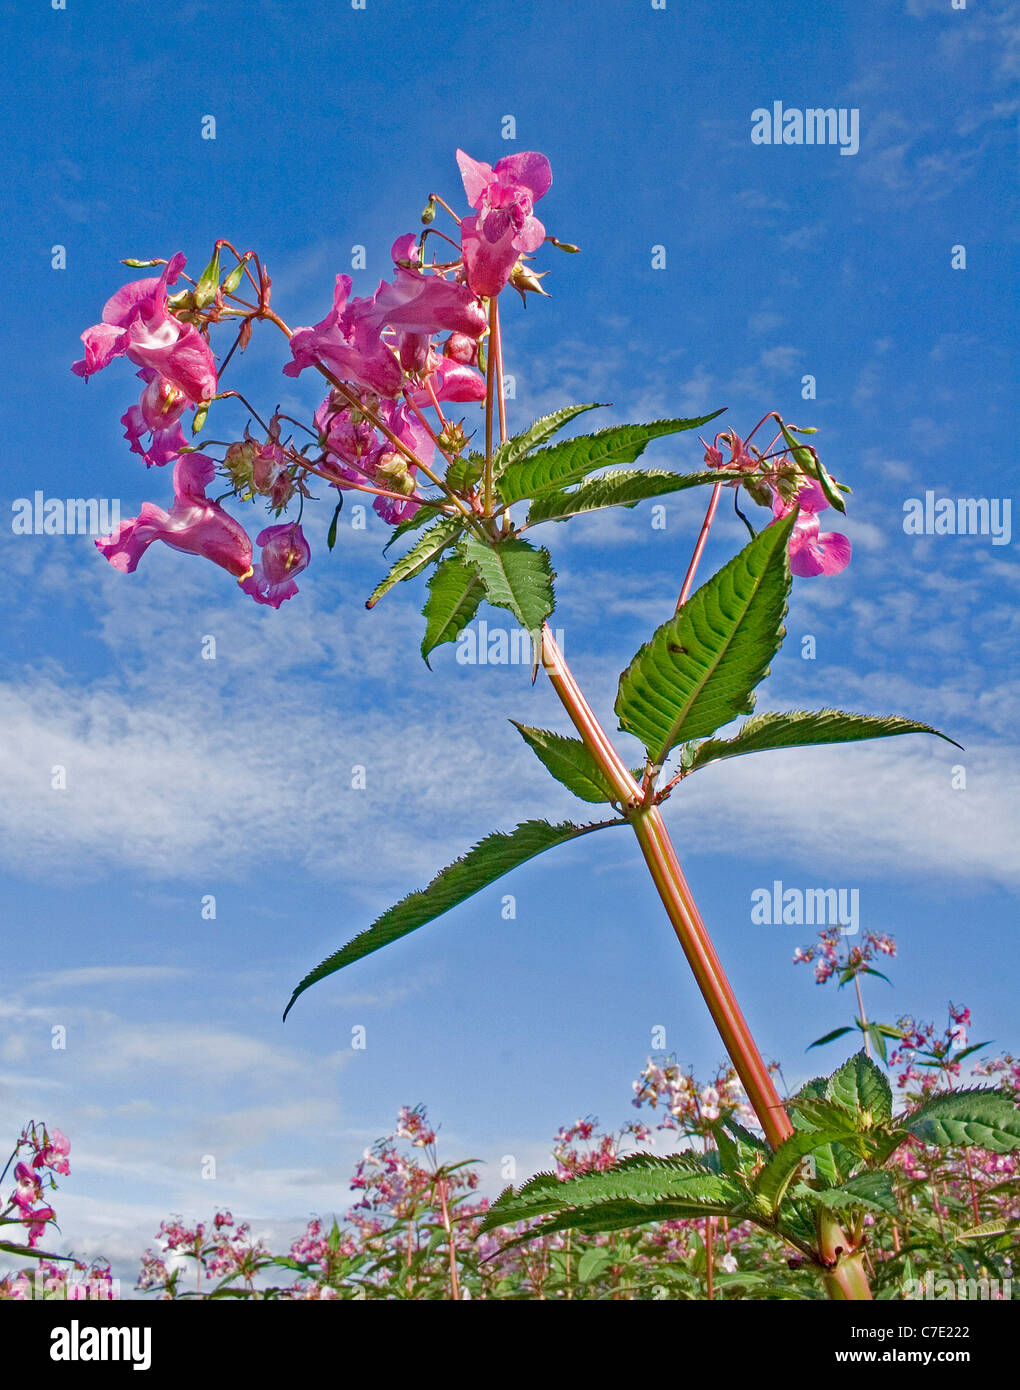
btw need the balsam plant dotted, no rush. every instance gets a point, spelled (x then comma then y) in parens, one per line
(384, 429)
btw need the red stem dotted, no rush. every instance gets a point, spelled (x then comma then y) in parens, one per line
(706, 526)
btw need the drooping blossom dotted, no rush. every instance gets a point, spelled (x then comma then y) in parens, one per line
(419, 305)
(349, 341)
(137, 323)
(347, 344)
(360, 454)
(28, 1188)
(811, 551)
(285, 553)
(53, 1152)
(504, 226)
(194, 524)
(157, 414)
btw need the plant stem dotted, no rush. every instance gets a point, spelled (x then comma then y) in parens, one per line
(863, 1018)
(676, 896)
(490, 376)
(843, 1274)
(451, 1244)
(706, 526)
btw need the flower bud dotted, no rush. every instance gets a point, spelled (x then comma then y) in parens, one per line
(759, 491)
(208, 282)
(232, 281)
(239, 462)
(526, 281)
(391, 472)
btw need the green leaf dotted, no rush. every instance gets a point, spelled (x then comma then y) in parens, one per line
(488, 861)
(870, 1190)
(998, 1227)
(862, 1090)
(829, 1037)
(463, 473)
(635, 1191)
(331, 533)
(625, 488)
(8, 1247)
(700, 668)
(455, 591)
(773, 1180)
(516, 576)
(593, 1263)
(986, 1118)
(569, 762)
(877, 1042)
(519, 445)
(800, 728)
(425, 549)
(554, 468)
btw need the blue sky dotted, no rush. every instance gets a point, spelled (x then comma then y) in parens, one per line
(233, 777)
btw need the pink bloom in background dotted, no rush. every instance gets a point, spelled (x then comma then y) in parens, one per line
(136, 322)
(504, 226)
(28, 1189)
(36, 1221)
(194, 524)
(285, 553)
(53, 1153)
(810, 552)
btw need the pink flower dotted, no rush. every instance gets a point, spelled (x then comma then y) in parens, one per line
(156, 414)
(451, 381)
(810, 552)
(505, 226)
(36, 1222)
(418, 304)
(53, 1153)
(137, 322)
(28, 1189)
(285, 552)
(194, 524)
(347, 342)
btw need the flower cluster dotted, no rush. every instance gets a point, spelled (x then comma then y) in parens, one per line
(580, 1148)
(783, 480)
(833, 954)
(685, 1104)
(49, 1151)
(381, 355)
(927, 1055)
